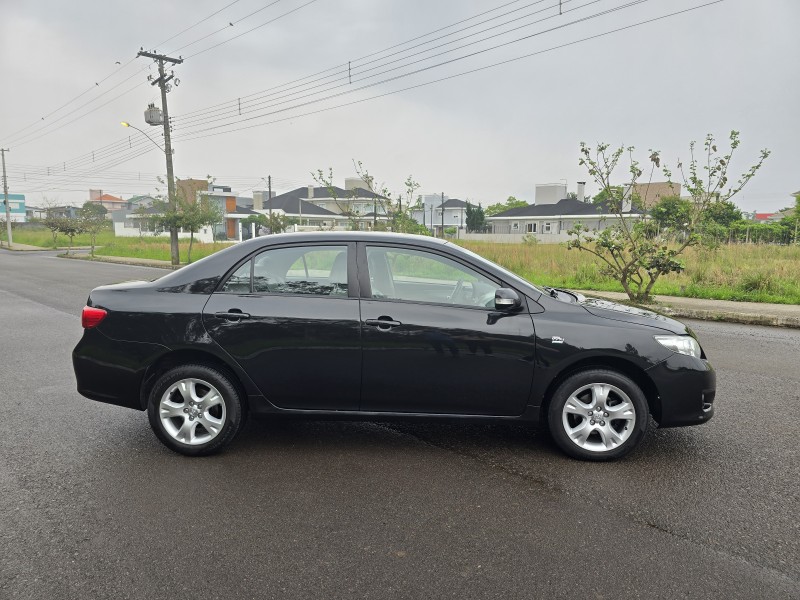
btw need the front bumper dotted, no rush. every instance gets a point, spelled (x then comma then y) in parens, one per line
(686, 388)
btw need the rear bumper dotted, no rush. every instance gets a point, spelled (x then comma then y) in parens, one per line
(686, 388)
(111, 371)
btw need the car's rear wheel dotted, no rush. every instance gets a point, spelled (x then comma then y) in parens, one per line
(195, 409)
(598, 414)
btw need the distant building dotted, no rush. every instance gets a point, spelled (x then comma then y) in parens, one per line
(362, 206)
(34, 212)
(16, 205)
(69, 212)
(107, 201)
(550, 222)
(650, 193)
(187, 189)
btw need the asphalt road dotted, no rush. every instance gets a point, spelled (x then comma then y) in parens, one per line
(92, 506)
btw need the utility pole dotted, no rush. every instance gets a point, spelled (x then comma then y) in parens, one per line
(442, 215)
(162, 82)
(5, 197)
(269, 193)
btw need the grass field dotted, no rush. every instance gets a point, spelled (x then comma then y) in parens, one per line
(754, 273)
(150, 247)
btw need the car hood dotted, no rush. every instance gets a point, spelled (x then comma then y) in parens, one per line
(631, 314)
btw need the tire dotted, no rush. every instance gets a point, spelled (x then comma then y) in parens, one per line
(195, 410)
(582, 431)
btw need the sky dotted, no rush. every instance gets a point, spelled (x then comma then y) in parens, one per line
(597, 72)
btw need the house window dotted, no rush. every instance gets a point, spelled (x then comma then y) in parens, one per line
(547, 228)
(515, 226)
(531, 227)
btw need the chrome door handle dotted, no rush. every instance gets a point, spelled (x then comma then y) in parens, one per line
(232, 315)
(384, 324)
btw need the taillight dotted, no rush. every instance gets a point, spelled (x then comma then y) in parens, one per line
(92, 317)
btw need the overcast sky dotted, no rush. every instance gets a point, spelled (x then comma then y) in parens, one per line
(481, 136)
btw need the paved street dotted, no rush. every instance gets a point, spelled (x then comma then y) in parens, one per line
(93, 506)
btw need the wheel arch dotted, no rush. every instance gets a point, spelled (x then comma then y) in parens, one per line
(180, 357)
(625, 367)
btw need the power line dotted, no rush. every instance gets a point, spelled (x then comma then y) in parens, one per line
(230, 24)
(251, 30)
(169, 39)
(348, 79)
(461, 74)
(284, 85)
(429, 67)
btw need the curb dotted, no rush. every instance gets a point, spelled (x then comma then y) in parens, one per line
(730, 317)
(122, 261)
(719, 314)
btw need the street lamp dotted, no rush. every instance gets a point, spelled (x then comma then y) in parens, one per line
(171, 198)
(126, 124)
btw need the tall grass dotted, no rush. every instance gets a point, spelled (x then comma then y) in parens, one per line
(755, 273)
(156, 248)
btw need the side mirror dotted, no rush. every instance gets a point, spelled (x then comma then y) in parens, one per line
(506, 299)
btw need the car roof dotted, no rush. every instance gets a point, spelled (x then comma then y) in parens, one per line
(354, 236)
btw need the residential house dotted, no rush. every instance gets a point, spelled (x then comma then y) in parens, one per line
(34, 212)
(107, 201)
(550, 222)
(68, 212)
(340, 207)
(452, 213)
(234, 208)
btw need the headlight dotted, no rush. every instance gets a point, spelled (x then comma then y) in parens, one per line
(682, 344)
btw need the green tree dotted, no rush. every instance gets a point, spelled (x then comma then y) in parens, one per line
(628, 250)
(70, 227)
(671, 213)
(793, 220)
(510, 203)
(194, 215)
(475, 217)
(93, 220)
(722, 212)
(53, 223)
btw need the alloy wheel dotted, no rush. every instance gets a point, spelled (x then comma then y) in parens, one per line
(192, 411)
(598, 417)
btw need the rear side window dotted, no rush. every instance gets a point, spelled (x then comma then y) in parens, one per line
(305, 270)
(239, 282)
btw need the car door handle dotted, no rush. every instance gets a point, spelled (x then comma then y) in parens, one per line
(384, 323)
(233, 314)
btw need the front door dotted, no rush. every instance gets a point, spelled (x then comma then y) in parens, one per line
(299, 336)
(429, 344)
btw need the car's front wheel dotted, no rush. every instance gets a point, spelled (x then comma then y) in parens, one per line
(195, 409)
(598, 414)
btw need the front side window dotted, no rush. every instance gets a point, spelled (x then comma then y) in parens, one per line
(305, 270)
(420, 276)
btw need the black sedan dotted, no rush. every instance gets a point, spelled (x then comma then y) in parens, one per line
(377, 326)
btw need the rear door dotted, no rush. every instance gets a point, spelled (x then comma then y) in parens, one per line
(431, 342)
(290, 317)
